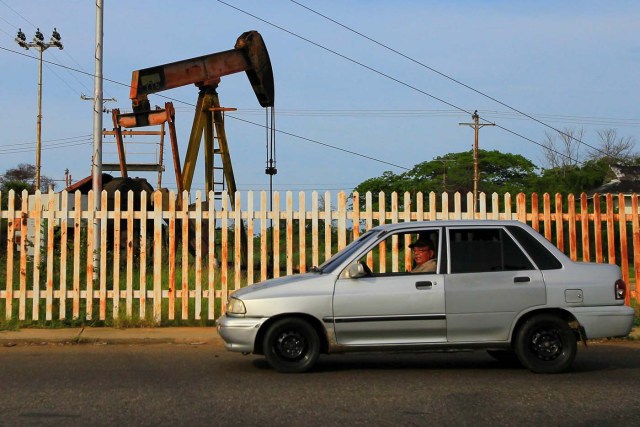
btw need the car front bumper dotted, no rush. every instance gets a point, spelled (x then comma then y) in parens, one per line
(239, 333)
(605, 322)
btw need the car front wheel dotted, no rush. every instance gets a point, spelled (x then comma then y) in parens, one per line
(546, 344)
(291, 345)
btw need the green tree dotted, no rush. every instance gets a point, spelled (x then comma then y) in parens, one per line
(453, 172)
(20, 178)
(573, 179)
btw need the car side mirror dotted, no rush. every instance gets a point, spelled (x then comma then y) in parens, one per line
(355, 271)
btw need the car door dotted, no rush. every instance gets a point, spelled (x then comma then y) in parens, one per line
(490, 281)
(390, 307)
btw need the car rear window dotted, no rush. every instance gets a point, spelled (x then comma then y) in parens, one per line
(475, 250)
(536, 250)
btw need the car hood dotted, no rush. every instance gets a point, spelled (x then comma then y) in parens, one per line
(275, 285)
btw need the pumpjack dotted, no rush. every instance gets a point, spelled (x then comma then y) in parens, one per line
(249, 55)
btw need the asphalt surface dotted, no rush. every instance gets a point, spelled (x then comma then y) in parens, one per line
(89, 335)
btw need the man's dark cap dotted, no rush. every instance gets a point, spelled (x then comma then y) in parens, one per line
(422, 243)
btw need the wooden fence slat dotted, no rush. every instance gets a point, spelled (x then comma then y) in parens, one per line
(355, 213)
(597, 225)
(184, 216)
(636, 246)
(289, 232)
(77, 235)
(237, 253)
(90, 255)
(481, 212)
(275, 229)
(535, 215)
(157, 256)
(264, 242)
(302, 242)
(584, 222)
(22, 303)
(547, 216)
(130, 225)
(368, 224)
(50, 216)
(622, 231)
(103, 256)
(37, 246)
(382, 220)
(573, 245)
(342, 220)
(211, 288)
(117, 243)
(172, 255)
(407, 237)
(611, 247)
(521, 207)
(327, 226)
(198, 264)
(64, 244)
(11, 227)
(250, 237)
(559, 223)
(143, 254)
(224, 254)
(394, 238)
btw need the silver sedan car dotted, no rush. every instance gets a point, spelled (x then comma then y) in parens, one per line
(493, 285)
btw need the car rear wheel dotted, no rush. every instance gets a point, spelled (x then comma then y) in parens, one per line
(546, 344)
(291, 345)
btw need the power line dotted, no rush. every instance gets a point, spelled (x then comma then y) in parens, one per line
(445, 76)
(17, 13)
(52, 54)
(283, 132)
(50, 147)
(228, 115)
(47, 140)
(421, 113)
(390, 77)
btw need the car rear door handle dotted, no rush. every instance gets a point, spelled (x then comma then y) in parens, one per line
(521, 279)
(425, 285)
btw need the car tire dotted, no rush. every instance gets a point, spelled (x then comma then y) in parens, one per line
(546, 344)
(291, 345)
(508, 357)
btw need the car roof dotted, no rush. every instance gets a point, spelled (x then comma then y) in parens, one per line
(448, 223)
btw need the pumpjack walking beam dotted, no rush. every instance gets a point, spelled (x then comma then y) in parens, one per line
(249, 55)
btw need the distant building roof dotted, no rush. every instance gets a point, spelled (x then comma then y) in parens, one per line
(626, 181)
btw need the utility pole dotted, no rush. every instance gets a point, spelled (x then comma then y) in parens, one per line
(476, 125)
(39, 43)
(96, 159)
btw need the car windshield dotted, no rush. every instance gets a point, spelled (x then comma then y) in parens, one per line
(329, 265)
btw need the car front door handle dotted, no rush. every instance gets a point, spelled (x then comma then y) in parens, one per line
(521, 279)
(425, 285)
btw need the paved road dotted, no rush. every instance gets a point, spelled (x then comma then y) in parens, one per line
(169, 384)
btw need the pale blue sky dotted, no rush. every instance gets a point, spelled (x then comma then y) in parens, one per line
(547, 58)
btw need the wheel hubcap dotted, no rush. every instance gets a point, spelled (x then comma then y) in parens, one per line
(291, 345)
(546, 344)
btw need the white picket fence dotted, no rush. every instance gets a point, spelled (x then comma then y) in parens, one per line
(150, 274)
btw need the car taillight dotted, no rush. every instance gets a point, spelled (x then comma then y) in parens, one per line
(620, 289)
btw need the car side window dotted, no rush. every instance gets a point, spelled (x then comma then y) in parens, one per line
(395, 253)
(474, 250)
(536, 250)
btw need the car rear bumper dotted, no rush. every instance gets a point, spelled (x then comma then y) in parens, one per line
(603, 322)
(239, 333)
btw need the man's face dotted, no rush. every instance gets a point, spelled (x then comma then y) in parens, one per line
(422, 254)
